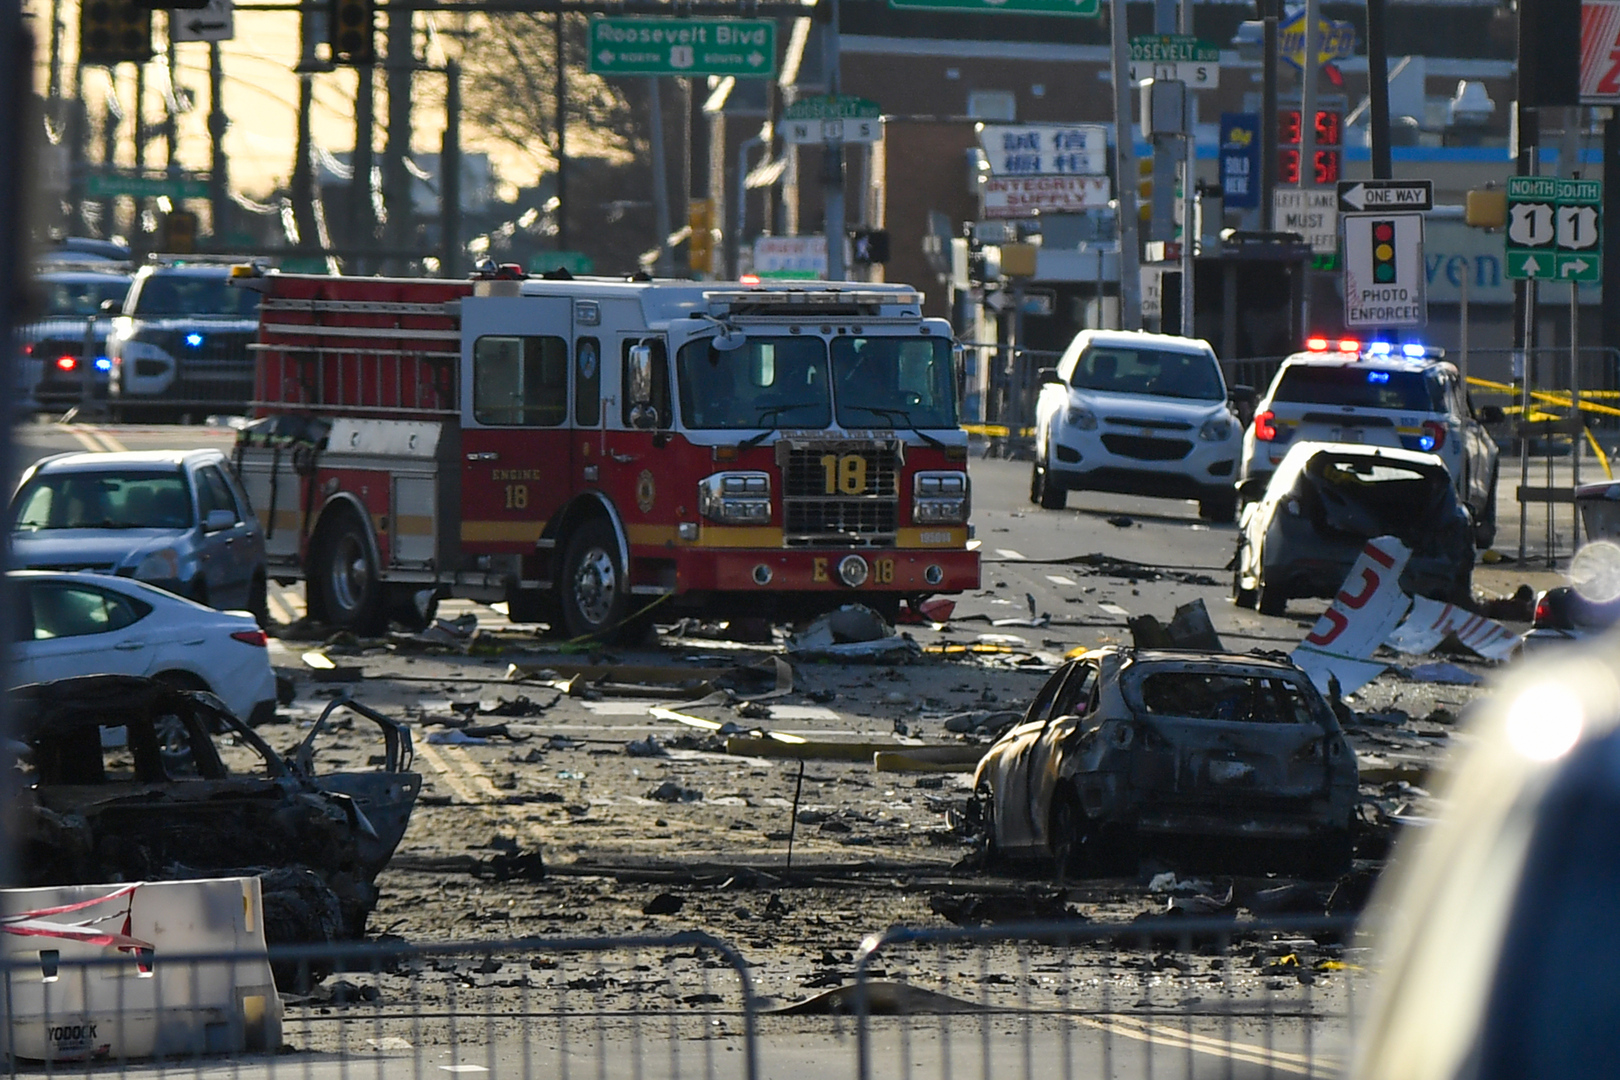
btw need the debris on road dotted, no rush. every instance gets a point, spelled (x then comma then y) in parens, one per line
(1189, 628)
(853, 632)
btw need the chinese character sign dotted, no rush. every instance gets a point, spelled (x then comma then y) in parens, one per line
(1045, 149)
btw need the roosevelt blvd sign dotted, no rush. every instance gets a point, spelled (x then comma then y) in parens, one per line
(1554, 229)
(660, 46)
(1178, 58)
(831, 119)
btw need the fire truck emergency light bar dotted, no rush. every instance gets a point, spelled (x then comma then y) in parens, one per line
(807, 301)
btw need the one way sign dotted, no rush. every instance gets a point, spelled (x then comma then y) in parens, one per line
(216, 22)
(1376, 196)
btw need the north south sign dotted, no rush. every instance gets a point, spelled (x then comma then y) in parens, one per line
(664, 46)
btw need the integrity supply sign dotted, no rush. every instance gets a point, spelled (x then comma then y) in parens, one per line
(1027, 196)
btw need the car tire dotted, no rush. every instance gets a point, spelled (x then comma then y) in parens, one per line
(1219, 508)
(1271, 600)
(258, 602)
(1243, 598)
(1066, 837)
(1050, 496)
(1485, 527)
(346, 577)
(594, 589)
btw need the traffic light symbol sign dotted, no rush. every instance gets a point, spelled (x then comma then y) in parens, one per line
(353, 32)
(1383, 252)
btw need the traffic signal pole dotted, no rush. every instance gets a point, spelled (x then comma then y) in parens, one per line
(832, 172)
(1130, 250)
(396, 181)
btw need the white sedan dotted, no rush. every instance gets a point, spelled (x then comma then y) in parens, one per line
(94, 624)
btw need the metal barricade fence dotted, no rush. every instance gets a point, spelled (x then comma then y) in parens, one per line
(1161, 998)
(1255, 372)
(642, 1008)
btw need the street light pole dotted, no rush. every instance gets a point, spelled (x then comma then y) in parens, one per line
(1130, 251)
(832, 171)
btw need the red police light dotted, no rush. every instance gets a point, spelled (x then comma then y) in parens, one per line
(1316, 344)
(67, 363)
(1349, 345)
(1264, 428)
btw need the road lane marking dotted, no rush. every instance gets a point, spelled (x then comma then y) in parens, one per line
(109, 440)
(84, 439)
(1114, 609)
(450, 775)
(1009, 553)
(278, 596)
(1179, 1039)
(1059, 579)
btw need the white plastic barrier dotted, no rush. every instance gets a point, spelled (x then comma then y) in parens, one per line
(140, 1006)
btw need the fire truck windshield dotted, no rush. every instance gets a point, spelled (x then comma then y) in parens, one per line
(768, 382)
(894, 382)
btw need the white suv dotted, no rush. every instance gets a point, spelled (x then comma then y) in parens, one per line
(1139, 414)
(1383, 395)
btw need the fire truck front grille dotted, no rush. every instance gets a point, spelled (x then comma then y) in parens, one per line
(840, 493)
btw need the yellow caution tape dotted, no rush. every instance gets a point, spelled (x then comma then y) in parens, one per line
(1561, 400)
(1603, 459)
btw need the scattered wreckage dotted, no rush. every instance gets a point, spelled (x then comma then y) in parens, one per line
(1122, 747)
(1301, 533)
(104, 802)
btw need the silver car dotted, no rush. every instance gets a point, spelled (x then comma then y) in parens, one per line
(176, 519)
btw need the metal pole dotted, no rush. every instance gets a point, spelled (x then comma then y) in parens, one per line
(1529, 165)
(362, 218)
(832, 171)
(396, 180)
(1268, 117)
(1577, 438)
(450, 175)
(1130, 251)
(218, 166)
(1189, 213)
(1378, 89)
(562, 139)
(1462, 329)
(660, 177)
(113, 114)
(1307, 97)
(138, 243)
(171, 121)
(734, 235)
(303, 174)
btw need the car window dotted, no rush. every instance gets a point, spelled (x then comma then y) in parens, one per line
(1041, 706)
(1074, 696)
(62, 610)
(213, 493)
(520, 381)
(169, 295)
(1357, 387)
(136, 499)
(82, 297)
(1197, 695)
(1159, 372)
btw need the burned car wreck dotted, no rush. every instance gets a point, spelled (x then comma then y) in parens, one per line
(1306, 527)
(123, 781)
(1124, 750)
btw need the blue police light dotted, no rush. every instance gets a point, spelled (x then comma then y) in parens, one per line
(1378, 348)
(103, 363)
(1425, 442)
(1378, 376)
(1416, 352)
(194, 340)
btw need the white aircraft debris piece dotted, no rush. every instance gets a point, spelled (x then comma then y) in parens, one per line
(1366, 610)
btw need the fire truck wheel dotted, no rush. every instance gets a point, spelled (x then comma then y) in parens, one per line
(594, 589)
(346, 575)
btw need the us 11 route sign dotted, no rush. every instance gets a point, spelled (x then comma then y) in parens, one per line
(1554, 229)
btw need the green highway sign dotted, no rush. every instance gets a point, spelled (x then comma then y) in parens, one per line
(1176, 57)
(674, 46)
(832, 108)
(1086, 8)
(1555, 229)
(575, 262)
(104, 186)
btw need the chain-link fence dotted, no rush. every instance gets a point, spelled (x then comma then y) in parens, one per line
(1163, 997)
(642, 1008)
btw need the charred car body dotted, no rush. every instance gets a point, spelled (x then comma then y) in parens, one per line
(105, 803)
(1301, 532)
(1124, 747)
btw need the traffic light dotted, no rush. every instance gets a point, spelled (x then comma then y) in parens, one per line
(871, 246)
(1144, 188)
(1383, 252)
(114, 32)
(700, 239)
(354, 38)
(180, 232)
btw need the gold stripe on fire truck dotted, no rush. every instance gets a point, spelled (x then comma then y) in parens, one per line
(501, 532)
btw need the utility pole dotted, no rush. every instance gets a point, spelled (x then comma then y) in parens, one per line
(450, 174)
(303, 173)
(1268, 114)
(1307, 97)
(562, 139)
(112, 117)
(1189, 206)
(660, 176)
(137, 233)
(1130, 251)
(1378, 89)
(218, 180)
(171, 118)
(832, 166)
(362, 219)
(54, 92)
(396, 181)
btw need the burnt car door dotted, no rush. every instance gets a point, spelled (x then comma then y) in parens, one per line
(1024, 800)
(382, 798)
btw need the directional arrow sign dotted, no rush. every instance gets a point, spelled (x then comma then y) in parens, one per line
(216, 22)
(1555, 229)
(678, 46)
(1356, 196)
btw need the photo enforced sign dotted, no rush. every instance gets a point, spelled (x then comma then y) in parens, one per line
(1383, 270)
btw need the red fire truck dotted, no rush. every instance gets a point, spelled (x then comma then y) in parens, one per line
(600, 451)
